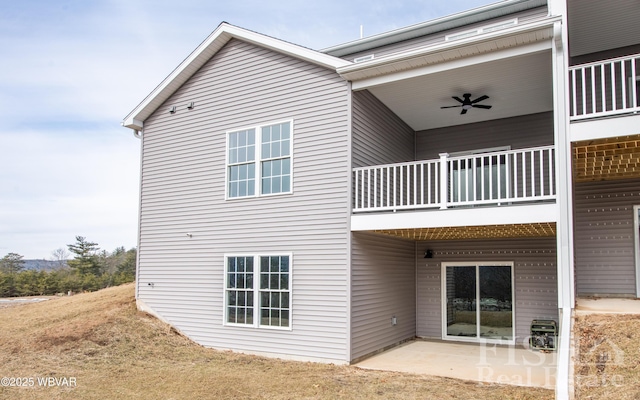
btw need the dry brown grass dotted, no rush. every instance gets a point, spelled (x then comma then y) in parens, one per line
(116, 352)
(607, 360)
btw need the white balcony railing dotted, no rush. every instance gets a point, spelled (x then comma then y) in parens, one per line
(605, 88)
(501, 177)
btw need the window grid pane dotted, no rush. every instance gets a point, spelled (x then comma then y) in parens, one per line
(242, 164)
(274, 144)
(240, 290)
(274, 291)
(276, 164)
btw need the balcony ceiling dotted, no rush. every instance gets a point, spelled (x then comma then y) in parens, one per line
(475, 232)
(518, 85)
(607, 159)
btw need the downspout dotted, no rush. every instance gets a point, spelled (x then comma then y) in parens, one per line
(137, 133)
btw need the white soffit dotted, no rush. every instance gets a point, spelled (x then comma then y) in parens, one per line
(518, 85)
(208, 49)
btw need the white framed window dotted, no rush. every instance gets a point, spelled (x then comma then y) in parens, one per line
(258, 290)
(259, 160)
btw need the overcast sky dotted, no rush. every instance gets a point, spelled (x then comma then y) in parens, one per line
(70, 71)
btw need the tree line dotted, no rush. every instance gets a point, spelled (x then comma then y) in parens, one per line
(90, 269)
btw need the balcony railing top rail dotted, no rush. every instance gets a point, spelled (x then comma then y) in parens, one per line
(605, 88)
(499, 177)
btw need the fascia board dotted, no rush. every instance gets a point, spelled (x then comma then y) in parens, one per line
(372, 65)
(205, 51)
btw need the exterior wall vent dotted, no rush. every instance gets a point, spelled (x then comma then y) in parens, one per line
(484, 29)
(363, 58)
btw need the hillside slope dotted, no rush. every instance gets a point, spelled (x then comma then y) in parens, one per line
(98, 346)
(607, 359)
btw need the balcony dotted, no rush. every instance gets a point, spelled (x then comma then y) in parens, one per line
(493, 178)
(605, 88)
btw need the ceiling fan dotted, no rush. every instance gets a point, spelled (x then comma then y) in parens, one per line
(467, 103)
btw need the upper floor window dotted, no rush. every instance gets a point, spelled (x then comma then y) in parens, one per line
(259, 160)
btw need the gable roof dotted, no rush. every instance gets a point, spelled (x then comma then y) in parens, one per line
(207, 49)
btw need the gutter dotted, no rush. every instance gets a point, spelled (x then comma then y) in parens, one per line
(137, 131)
(474, 15)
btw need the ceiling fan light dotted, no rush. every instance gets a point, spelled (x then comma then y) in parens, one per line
(467, 107)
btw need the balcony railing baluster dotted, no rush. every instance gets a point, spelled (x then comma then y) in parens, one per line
(497, 178)
(616, 87)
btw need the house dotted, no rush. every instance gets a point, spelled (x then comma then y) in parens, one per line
(455, 179)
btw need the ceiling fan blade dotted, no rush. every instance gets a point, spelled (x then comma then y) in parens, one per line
(481, 106)
(457, 98)
(480, 99)
(452, 106)
(464, 111)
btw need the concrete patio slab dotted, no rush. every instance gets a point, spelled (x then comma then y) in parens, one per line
(486, 363)
(607, 306)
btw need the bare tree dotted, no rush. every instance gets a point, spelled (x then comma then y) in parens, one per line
(60, 257)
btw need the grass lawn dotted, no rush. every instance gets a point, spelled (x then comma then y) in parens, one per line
(108, 350)
(607, 360)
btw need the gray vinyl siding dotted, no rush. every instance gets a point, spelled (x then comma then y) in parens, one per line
(383, 286)
(183, 191)
(596, 26)
(439, 37)
(604, 237)
(379, 136)
(536, 295)
(518, 132)
(605, 54)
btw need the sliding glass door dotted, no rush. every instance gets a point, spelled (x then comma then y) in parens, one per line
(478, 301)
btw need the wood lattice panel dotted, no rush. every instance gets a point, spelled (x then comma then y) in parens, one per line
(607, 159)
(475, 232)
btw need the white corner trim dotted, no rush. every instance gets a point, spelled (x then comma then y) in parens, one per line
(218, 38)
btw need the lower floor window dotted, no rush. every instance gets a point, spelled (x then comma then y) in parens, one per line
(263, 291)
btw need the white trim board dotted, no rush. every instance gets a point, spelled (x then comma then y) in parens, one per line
(478, 216)
(601, 128)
